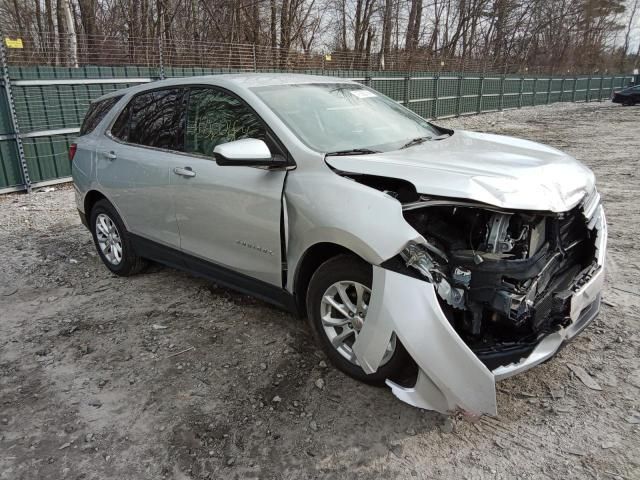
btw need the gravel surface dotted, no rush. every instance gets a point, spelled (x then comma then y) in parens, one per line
(166, 376)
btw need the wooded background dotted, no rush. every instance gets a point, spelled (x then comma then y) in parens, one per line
(562, 36)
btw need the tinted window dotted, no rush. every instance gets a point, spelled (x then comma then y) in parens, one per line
(156, 119)
(120, 128)
(95, 114)
(215, 117)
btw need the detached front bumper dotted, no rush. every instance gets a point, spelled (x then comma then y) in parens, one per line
(450, 375)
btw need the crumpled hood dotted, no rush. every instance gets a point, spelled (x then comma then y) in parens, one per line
(502, 171)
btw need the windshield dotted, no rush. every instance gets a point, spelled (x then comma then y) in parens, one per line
(332, 117)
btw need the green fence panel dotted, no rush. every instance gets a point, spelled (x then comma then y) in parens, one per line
(51, 106)
(52, 73)
(48, 157)
(10, 171)
(5, 118)
(392, 87)
(581, 89)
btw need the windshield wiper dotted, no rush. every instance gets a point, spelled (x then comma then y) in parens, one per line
(352, 151)
(415, 141)
(419, 140)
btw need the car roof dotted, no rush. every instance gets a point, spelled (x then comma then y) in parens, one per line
(238, 80)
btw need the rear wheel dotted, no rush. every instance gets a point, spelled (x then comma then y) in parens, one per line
(112, 240)
(337, 303)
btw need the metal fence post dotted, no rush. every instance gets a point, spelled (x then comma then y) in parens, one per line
(562, 88)
(161, 57)
(613, 79)
(521, 92)
(535, 91)
(436, 87)
(549, 85)
(480, 93)
(575, 89)
(600, 89)
(255, 63)
(459, 97)
(14, 117)
(407, 79)
(588, 98)
(501, 98)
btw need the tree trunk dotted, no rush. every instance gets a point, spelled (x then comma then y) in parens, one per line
(63, 49)
(387, 27)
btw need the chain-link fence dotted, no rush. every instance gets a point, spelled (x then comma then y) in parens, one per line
(66, 50)
(47, 87)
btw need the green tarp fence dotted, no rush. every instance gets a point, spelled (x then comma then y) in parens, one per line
(50, 103)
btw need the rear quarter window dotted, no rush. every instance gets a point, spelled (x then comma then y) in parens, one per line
(95, 114)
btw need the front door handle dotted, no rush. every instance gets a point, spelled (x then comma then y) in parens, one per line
(110, 155)
(185, 172)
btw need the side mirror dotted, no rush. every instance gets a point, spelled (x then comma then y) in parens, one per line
(248, 152)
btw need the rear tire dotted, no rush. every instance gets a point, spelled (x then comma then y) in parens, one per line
(350, 276)
(112, 240)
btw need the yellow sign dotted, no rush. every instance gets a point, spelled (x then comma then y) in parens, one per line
(17, 43)
(327, 57)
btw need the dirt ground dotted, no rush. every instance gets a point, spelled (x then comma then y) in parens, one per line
(166, 376)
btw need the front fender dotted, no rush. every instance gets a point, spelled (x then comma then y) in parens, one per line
(324, 207)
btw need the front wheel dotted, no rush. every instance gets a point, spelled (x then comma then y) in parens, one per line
(337, 302)
(112, 240)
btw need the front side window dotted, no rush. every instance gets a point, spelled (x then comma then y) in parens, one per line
(215, 117)
(95, 114)
(153, 119)
(330, 117)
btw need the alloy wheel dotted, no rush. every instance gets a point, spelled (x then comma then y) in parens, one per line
(343, 311)
(109, 239)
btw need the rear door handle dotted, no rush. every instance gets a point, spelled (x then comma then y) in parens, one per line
(110, 155)
(185, 172)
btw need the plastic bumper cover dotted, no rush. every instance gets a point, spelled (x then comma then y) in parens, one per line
(450, 375)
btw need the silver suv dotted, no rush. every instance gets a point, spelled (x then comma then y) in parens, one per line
(434, 261)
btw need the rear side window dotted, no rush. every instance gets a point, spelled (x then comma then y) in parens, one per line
(95, 114)
(156, 119)
(120, 128)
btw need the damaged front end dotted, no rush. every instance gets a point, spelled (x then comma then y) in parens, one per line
(488, 293)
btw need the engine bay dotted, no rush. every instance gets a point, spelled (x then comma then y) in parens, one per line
(504, 278)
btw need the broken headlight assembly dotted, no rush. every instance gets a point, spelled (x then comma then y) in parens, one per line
(504, 279)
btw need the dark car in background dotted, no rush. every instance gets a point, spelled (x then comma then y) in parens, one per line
(627, 97)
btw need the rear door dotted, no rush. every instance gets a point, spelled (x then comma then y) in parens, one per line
(227, 215)
(134, 163)
(86, 142)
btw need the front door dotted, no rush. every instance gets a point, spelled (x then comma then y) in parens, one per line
(227, 215)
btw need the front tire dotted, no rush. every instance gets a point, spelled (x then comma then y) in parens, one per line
(337, 301)
(112, 240)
